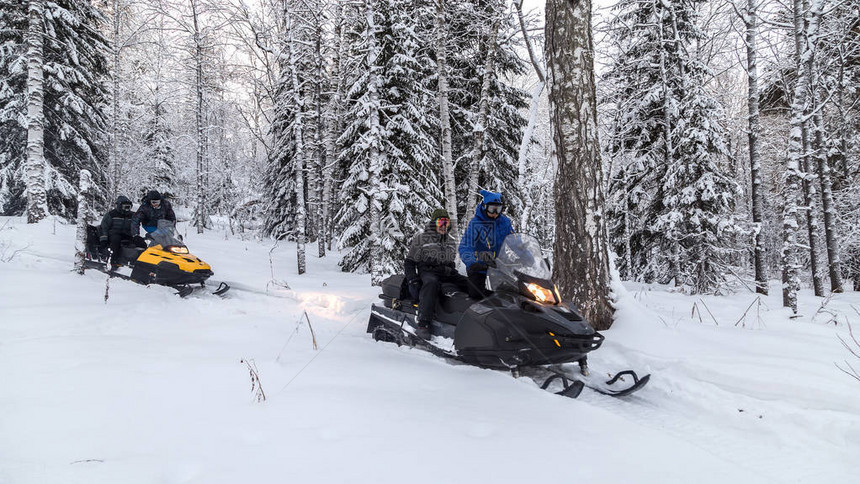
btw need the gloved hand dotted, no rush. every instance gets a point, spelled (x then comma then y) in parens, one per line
(476, 267)
(103, 242)
(487, 258)
(414, 288)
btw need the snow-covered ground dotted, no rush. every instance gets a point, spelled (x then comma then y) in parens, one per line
(150, 388)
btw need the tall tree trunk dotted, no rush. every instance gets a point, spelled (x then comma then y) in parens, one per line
(83, 221)
(760, 252)
(298, 133)
(35, 166)
(375, 143)
(799, 106)
(114, 141)
(444, 115)
(479, 149)
(824, 176)
(522, 164)
(200, 219)
(332, 124)
(809, 199)
(581, 252)
(807, 47)
(669, 150)
(319, 157)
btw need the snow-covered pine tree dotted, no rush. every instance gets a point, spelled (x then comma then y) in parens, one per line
(13, 76)
(292, 128)
(672, 196)
(392, 182)
(471, 25)
(75, 68)
(158, 134)
(279, 182)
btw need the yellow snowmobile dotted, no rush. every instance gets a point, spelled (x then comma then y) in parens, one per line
(166, 261)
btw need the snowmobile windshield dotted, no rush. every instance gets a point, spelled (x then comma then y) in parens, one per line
(165, 234)
(519, 256)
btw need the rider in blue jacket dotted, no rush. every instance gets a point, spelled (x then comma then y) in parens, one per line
(483, 239)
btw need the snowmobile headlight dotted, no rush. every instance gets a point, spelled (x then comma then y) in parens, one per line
(178, 249)
(541, 294)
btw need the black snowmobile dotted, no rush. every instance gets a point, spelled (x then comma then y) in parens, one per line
(166, 261)
(523, 326)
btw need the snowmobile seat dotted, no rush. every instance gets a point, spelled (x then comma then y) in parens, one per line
(395, 287)
(130, 253)
(453, 300)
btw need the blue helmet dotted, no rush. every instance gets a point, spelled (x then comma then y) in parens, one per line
(491, 198)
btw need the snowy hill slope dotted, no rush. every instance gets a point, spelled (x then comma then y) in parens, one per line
(147, 387)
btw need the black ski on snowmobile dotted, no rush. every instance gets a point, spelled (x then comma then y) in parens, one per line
(166, 262)
(523, 327)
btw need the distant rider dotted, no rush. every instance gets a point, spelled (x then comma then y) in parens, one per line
(116, 228)
(152, 209)
(429, 263)
(482, 240)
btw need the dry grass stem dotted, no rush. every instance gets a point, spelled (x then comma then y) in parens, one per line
(256, 385)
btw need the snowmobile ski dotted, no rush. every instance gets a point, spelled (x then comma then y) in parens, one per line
(617, 386)
(182, 290)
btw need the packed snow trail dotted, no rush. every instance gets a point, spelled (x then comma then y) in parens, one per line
(148, 387)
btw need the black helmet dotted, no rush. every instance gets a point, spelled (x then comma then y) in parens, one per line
(122, 202)
(153, 195)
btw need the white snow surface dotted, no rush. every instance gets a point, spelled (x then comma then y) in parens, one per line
(148, 388)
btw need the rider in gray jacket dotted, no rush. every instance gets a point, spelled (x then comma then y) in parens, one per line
(430, 262)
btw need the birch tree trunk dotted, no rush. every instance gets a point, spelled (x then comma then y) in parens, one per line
(822, 165)
(807, 47)
(809, 199)
(114, 142)
(790, 221)
(522, 162)
(319, 158)
(198, 85)
(35, 165)
(834, 264)
(83, 220)
(375, 142)
(479, 149)
(760, 253)
(581, 253)
(444, 116)
(332, 126)
(298, 133)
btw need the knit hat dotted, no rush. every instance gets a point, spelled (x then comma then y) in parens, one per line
(439, 213)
